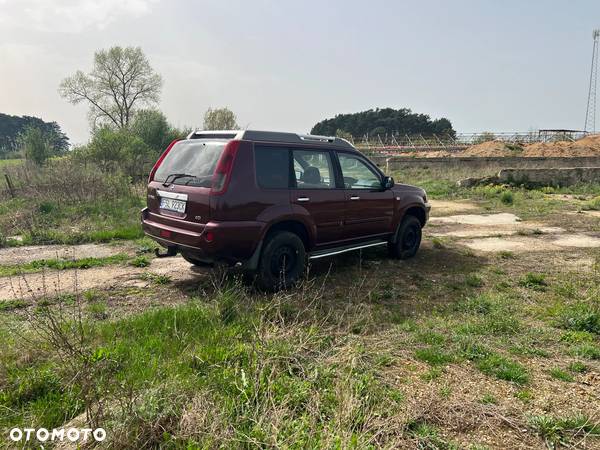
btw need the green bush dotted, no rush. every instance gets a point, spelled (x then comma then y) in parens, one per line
(506, 197)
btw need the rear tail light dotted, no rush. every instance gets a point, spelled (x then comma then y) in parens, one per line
(209, 236)
(160, 160)
(222, 174)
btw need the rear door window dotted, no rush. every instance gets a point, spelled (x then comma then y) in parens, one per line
(191, 163)
(272, 166)
(313, 169)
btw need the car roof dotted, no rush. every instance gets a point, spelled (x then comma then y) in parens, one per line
(273, 136)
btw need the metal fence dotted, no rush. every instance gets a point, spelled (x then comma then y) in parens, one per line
(459, 141)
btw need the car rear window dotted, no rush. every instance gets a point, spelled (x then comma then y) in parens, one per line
(191, 163)
(272, 166)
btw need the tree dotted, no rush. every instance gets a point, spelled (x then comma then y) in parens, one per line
(384, 121)
(118, 150)
(13, 127)
(36, 146)
(220, 119)
(121, 80)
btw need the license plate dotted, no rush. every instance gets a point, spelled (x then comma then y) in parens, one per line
(172, 205)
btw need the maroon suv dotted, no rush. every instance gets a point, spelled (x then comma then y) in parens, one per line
(268, 201)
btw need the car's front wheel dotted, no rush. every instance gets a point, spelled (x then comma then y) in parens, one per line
(282, 261)
(408, 239)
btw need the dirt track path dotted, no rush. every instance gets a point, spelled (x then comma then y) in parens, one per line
(54, 282)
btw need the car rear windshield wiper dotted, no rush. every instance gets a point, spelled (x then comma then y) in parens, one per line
(175, 176)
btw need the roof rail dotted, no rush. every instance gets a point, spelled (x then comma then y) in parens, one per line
(270, 136)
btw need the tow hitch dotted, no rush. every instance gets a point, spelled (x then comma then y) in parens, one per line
(171, 251)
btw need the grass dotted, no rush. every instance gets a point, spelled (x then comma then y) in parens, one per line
(535, 281)
(69, 203)
(503, 369)
(562, 430)
(562, 375)
(61, 264)
(10, 162)
(372, 353)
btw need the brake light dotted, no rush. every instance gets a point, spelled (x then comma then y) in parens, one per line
(160, 160)
(222, 174)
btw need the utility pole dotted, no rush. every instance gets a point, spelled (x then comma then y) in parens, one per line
(590, 113)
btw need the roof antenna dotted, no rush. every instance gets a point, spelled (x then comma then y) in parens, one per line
(247, 125)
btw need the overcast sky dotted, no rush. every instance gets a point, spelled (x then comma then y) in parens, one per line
(285, 65)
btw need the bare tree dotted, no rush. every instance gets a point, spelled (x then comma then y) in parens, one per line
(220, 119)
(120, 81)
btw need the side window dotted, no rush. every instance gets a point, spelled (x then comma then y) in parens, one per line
(313, 169)
(272, 167)
(357, 175)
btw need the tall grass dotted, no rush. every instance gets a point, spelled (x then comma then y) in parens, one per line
(69, 202)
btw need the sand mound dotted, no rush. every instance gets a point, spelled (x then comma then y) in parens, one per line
(587, 146)
(492, 148)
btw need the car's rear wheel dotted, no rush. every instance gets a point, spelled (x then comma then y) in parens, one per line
(282, 262)
(408, 239)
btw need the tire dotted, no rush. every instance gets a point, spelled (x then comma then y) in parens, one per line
(282, 262)
(408, 239)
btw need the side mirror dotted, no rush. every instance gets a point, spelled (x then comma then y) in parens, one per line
(387, 182)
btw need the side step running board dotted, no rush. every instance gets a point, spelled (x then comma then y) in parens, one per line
(344, 249)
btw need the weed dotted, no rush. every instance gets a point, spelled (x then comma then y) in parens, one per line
(506, 197)
(586, 350)
(581, 317)
(534, 281)
(97, 310)
(578, 367)
(503, 369)
(506, 254)
(435, 356)
(427, 436)
(156, 278)
(438, 243)
(524, 395)
(473, 280)
(577, 337)
(560, 374)
(488, 399)
(8, 305)
(60, 264)
(140, 261)
(430, 337)
(432, 374)
(559, 431)
(593, 204)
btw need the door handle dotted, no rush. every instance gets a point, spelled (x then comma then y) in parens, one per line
(355, 197)
(303, 199)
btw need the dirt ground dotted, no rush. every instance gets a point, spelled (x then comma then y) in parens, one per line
(478, 231)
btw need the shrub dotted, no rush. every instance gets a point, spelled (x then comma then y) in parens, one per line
(593, 204)
(506, 197)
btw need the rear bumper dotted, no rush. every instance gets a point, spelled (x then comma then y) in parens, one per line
(231, 242)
